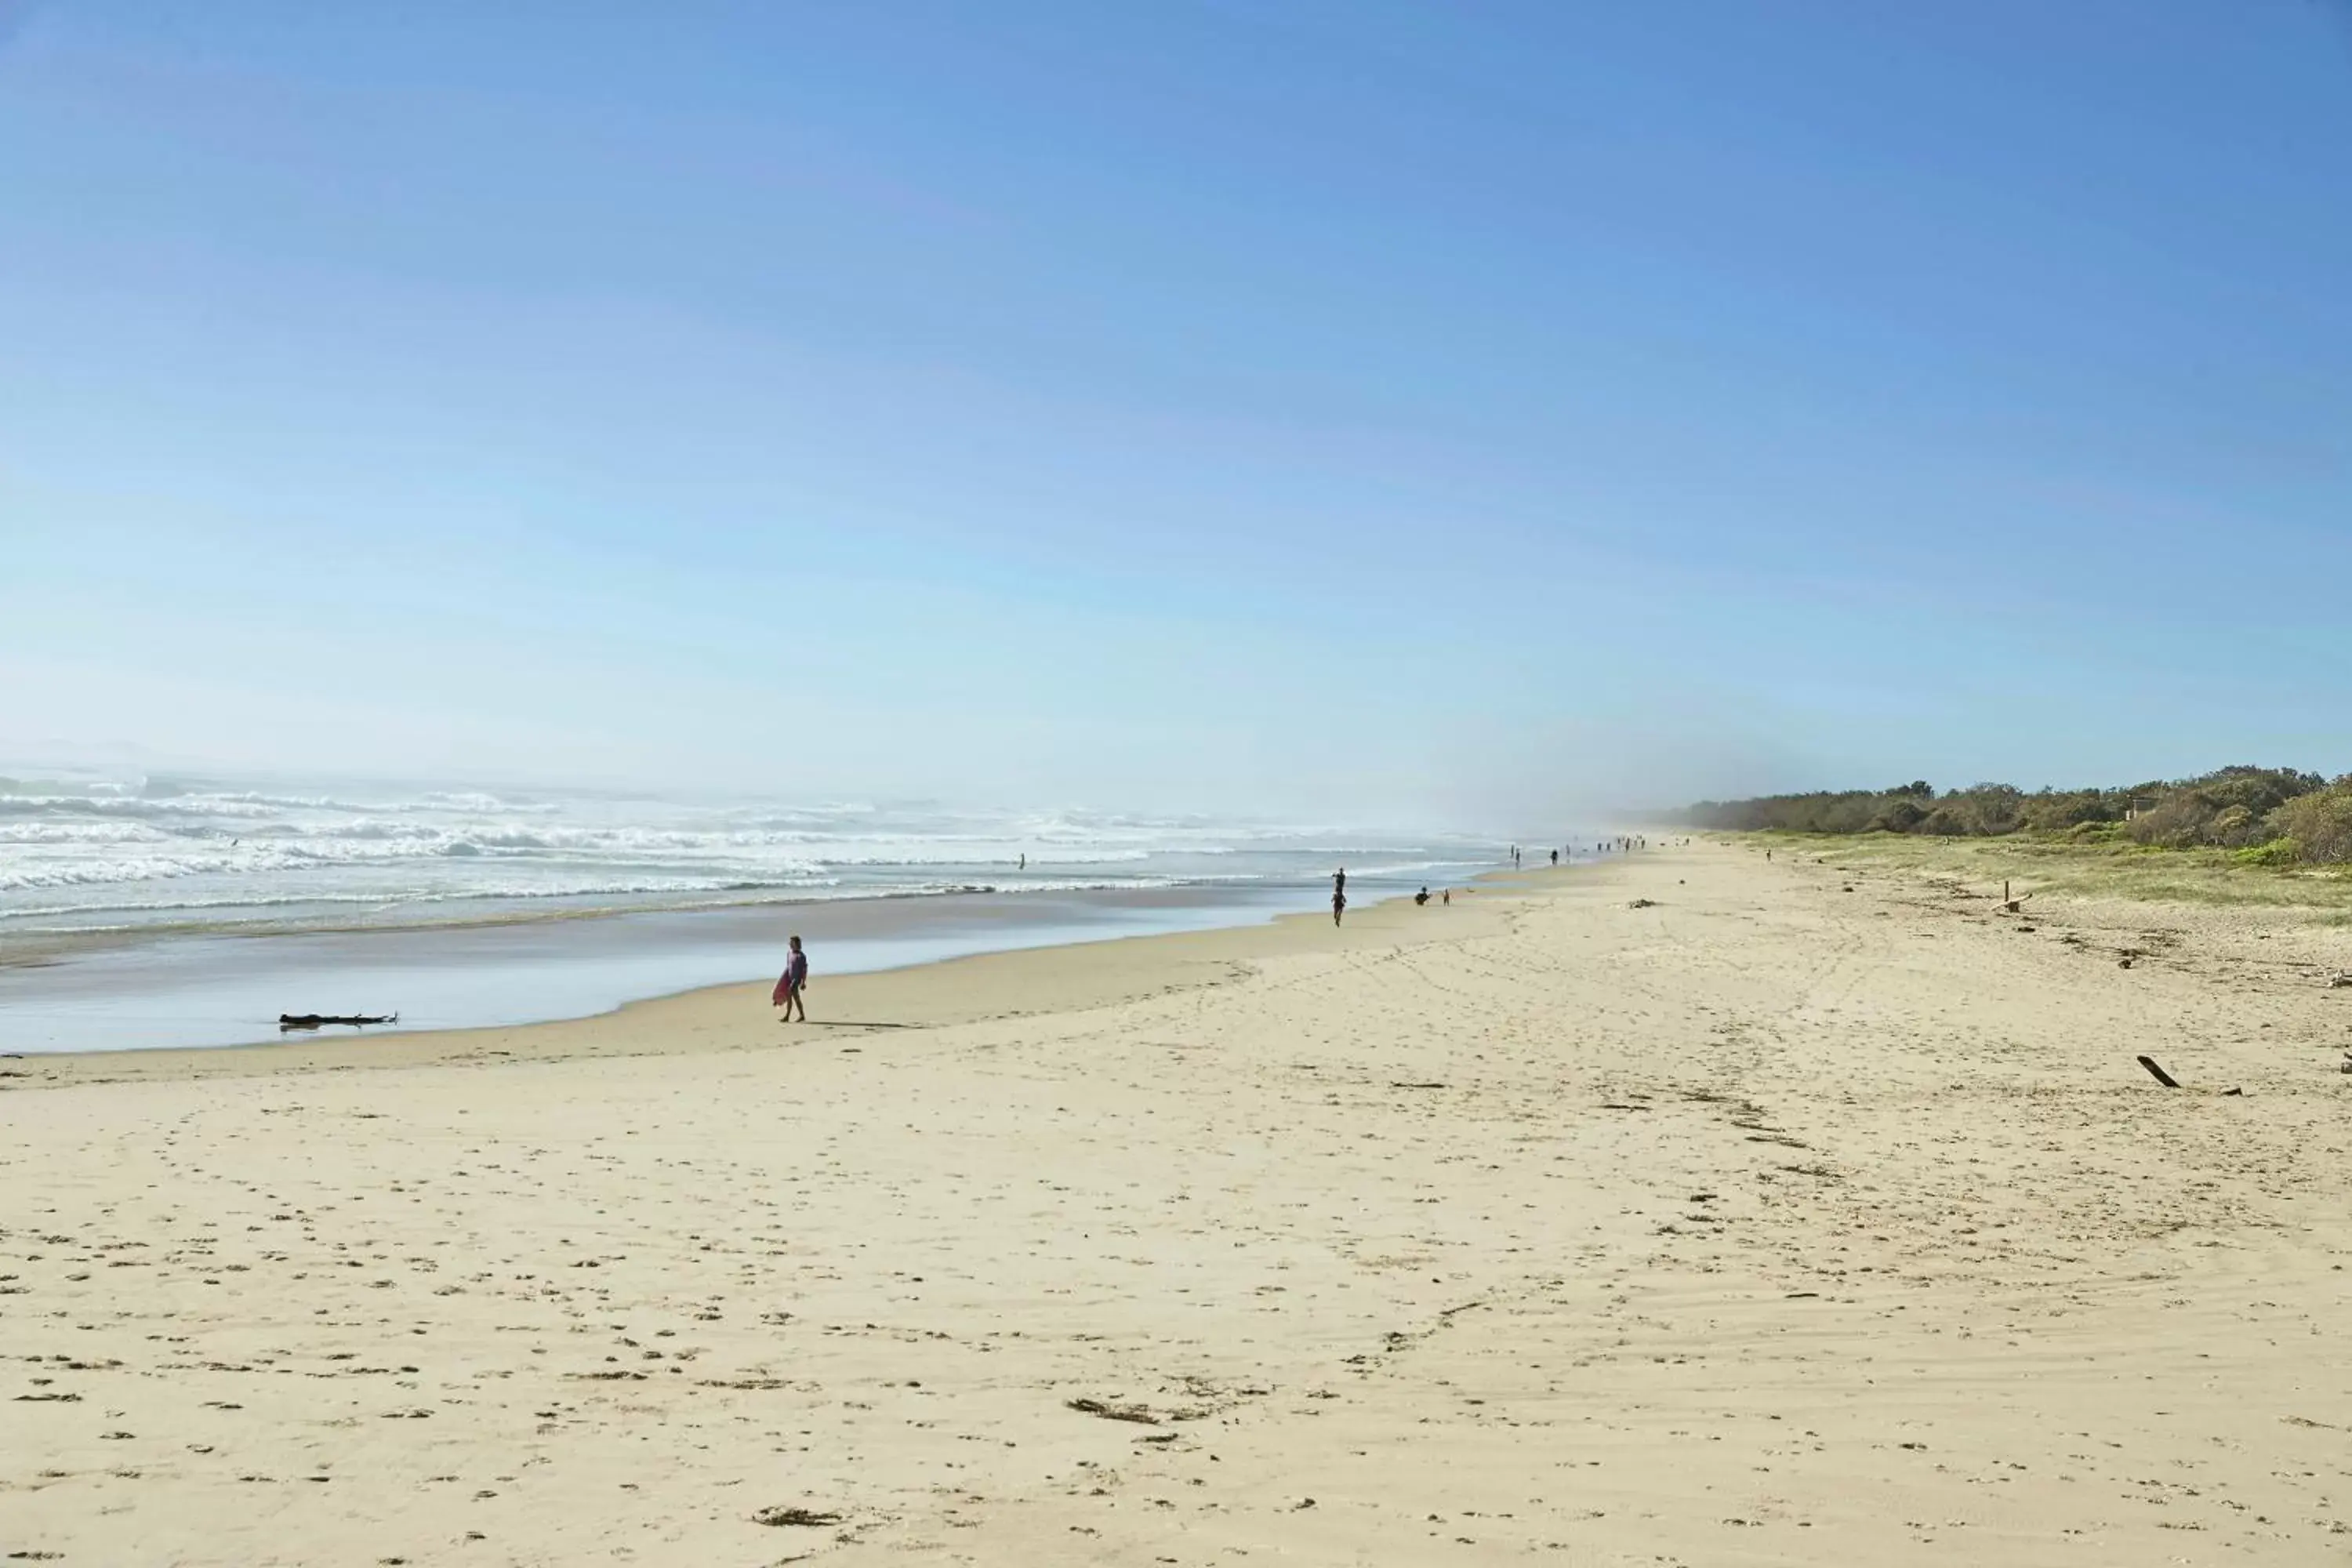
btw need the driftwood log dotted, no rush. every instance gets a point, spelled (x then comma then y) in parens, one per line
(314, 1020)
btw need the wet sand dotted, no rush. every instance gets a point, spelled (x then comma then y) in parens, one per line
(212, 991)
(1771, 1223)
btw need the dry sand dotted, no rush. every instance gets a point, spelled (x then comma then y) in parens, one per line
(1772, 1224)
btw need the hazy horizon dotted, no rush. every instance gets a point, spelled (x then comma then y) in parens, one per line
(132, 770)
(1372, 413)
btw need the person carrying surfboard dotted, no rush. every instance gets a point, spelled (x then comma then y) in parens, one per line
(791, 983)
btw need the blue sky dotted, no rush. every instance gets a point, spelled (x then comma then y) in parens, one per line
(1465, 412)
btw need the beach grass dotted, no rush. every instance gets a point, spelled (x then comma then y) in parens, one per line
(2083, 867)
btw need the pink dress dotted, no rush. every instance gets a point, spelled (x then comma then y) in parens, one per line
(794, 976)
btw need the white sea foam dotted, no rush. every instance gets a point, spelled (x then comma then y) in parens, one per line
(158, 850)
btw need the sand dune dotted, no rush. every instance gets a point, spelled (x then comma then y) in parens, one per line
(1772, 1224)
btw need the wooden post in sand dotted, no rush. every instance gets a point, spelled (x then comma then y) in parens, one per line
(2158, 1073)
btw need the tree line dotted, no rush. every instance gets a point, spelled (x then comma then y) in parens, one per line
(2269, 816)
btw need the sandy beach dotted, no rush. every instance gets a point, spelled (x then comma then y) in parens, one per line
(1682, 1210)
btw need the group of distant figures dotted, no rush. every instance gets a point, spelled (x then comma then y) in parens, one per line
(1340, 895)
(793, 983)
(1625, 844)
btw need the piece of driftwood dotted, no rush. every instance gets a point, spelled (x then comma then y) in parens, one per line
(316, 1020)
(1109, 1412)
(2341, 979)
(803, 1518)
(2158, 1073)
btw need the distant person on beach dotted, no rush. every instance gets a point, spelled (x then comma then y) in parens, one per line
(1340, 882)
(789, 986)
(1422, 896)
(1449, 896)
(1555, 857)
(1338, 903)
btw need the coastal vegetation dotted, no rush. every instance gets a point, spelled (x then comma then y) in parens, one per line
(2280, 818)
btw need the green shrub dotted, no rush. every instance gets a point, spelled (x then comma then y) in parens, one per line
(2320, 823)
(2177, 824)
(2230, 808)
(2277, 852)
(1899, 815)
(2055, 811)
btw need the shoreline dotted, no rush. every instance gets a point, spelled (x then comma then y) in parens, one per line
(50, 944)
(923, 993)
(219, 991)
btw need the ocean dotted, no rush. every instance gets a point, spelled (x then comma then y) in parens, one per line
(131, 907)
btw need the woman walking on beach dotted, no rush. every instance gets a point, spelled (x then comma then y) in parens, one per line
(794, 981)
(1339, 904)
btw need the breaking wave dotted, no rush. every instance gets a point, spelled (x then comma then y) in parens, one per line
(80, 851)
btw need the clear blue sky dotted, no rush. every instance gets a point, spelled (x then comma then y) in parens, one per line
(1472, 411)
